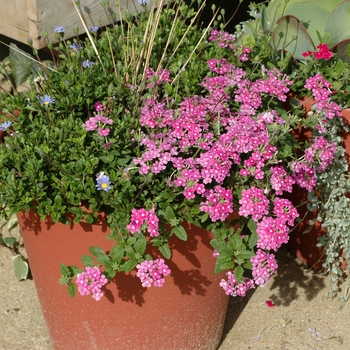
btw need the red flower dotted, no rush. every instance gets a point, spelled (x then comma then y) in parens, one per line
(307, 53)
(322, 52)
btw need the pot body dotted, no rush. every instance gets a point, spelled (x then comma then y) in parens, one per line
(303, 238)
(188, 312)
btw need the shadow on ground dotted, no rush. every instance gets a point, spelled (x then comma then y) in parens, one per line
(292, 280)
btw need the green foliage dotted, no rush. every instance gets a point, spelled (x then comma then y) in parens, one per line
(50, 162)
(299, 26)
(20, 267)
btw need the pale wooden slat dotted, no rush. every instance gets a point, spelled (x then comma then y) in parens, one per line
(14, 19)
(23, 19)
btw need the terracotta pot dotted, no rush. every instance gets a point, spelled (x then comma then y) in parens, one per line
(188, 312)
(303, 240)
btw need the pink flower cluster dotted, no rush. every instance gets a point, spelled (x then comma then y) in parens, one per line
(226, 139)
(141, 216)
(322, 152)
(98, 122)
(152, 272)
(177, 133)
(280, 180)
(157, 78)
(304, 175)
(254, 203)
(233, 287)
(322, 52)
(264, 266)
(321, 91)
(218, 204)
(224, 39)
(91, 281)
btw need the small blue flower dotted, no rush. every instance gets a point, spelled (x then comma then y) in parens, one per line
(58, 29)
(143, 2)
(103, 183)
(47, 100)
(75, 47)
(94, 29)
(87, 64)
(5, 125)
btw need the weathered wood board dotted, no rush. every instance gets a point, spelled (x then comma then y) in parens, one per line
(24, 19)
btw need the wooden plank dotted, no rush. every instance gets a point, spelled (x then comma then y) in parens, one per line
(52, 13)
(14, 20)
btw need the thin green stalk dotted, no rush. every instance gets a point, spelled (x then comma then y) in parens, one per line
(89, 35)
(199, 42)
(183, 37)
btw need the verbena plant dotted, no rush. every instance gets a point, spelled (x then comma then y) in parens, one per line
(156, 121)
(302, 39)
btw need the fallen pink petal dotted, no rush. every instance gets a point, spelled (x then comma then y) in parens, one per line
(269, 303)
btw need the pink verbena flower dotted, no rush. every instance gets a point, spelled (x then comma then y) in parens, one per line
(91, 281)
(157, 78)
(285, 210)
(141, 216)
(280, 180)
(152, 272)
(264, 266)
(219, 203)
(273, 232)
(304, 175)
(254, 203)
(322, 152)
(233, 287)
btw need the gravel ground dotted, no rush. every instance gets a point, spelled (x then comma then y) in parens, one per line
(302, 318)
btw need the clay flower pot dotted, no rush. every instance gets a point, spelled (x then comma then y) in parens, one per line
(303, 238)
(188, 312)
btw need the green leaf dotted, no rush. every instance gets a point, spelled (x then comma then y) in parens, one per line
(13, 222)
(89, 219)
(97, 251)
(10, 241)
(252, 225)
(291, 35)
(165, 250)
(64, 270)
(312, 16)
(87, 260)
(253, 239)
(338, 23)
(180, 232)
(169, 214)
(117, 253)
(131, 240)
(58, 201)
(235, 241)
(238, 272)
(20, 267)
(128, 265)
(109, 273)
(21, 64)
(71, 289)
(140, 245)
